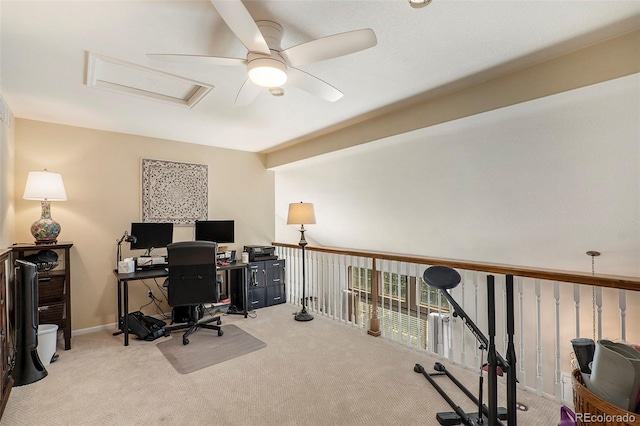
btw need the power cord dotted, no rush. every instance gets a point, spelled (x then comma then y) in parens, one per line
(155, 300)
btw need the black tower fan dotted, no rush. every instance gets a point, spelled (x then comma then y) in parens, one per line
(28, 368)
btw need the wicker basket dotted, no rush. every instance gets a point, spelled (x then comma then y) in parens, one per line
(586, 402)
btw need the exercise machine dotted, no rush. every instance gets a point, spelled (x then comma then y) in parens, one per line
(445, 278)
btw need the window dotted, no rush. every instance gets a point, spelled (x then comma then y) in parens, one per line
(401, 318)
(397, 286)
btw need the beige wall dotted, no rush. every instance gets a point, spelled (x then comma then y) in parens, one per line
(101, 172)
(537, 184)
(6, 181)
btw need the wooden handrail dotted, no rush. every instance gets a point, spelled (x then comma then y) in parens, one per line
(599, 280)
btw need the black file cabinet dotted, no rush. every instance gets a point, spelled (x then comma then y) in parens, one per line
(266, 283)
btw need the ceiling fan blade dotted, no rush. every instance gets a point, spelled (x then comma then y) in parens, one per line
(242, 24)
(330, 47)
(312, 85)
(248, 93)
(197, 59)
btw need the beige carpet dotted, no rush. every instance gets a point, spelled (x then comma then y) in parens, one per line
(206, 348)
(309, 373)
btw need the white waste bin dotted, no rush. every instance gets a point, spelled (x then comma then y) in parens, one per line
(47, 339)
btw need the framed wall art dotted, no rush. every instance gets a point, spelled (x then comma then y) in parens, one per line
(174, 192)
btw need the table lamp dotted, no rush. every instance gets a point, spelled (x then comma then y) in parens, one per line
(299, 214)
(45, 187)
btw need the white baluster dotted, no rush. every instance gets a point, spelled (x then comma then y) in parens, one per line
(622, 294)
(576, 305)
(326, 283)
(335, 273)
(342, 272)
(463, 358)
(522, 376)
(558, 381)
(449, 349)
(356, 292)
(418, 297)
(503, 280)
(329, 284)
(475, 316)
(399, 300)
(293, 277)
(335, 293)
(369, 263)
(312, 280)
(440, 348)
(538, 340)
(338, 288)
(429, 333)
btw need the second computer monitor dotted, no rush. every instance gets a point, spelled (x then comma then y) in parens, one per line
(218, 231)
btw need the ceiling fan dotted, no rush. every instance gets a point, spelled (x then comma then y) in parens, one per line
(270, 66)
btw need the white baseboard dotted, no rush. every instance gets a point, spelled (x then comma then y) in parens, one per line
(112, 326)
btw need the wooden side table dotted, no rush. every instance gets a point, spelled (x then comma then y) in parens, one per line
(6, 381)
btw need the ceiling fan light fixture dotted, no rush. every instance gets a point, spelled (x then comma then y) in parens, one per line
(417, 4)
(267, 72)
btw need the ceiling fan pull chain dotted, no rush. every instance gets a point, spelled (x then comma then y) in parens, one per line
(593, 255)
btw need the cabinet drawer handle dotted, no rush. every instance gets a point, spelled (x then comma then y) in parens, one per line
(275, 280)
(43, 308)
(276, 264)
(254, 302)
(277, 298)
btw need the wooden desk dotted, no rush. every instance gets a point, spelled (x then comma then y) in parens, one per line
(123, 290)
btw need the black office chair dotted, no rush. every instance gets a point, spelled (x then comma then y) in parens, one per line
(192, 283)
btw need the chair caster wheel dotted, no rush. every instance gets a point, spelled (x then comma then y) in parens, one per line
(220, 332)
(185, 341)
(219, 322)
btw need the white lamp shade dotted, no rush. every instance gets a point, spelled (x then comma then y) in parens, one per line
(301, 214)
(44, 186)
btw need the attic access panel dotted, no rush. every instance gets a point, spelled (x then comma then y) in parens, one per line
(119, 76)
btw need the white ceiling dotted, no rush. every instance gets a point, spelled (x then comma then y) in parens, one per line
(44, 44)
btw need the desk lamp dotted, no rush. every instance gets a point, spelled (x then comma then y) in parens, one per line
(299, 214)
(45, 187)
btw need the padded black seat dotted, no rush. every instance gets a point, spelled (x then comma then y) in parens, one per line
(442, 277)
(192, 283)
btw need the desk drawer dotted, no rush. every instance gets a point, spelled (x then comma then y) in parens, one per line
(50, 289)
(51, 314)
(276, 295)
(256, 298)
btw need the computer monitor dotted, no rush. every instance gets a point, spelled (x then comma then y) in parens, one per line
(151, 235)
(218, 231)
